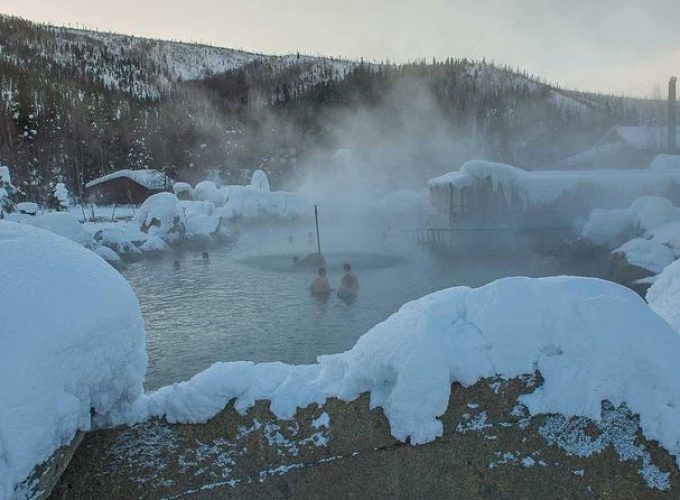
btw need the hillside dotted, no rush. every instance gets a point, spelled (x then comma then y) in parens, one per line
(77, 104)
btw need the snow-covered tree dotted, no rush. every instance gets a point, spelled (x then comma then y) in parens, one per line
(59, 197)
(6, 192)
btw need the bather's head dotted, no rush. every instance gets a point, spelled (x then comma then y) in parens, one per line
(347, 267)
(322, 271)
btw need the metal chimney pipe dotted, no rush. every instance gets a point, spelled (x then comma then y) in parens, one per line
(672, 120)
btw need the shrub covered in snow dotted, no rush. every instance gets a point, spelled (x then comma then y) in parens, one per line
(647, 254)
(591, 340)
(161, 215)
(72, 339)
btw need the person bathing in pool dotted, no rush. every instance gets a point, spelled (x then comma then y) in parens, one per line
(349, 283)
(320, 285)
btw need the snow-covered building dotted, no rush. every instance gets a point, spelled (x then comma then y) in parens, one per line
(494, 196)
(127, 186)
(622, 147)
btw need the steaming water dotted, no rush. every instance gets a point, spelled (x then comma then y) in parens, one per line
(246, 302)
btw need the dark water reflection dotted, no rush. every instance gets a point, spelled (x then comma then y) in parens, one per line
(244, 303)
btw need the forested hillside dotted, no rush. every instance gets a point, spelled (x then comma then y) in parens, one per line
(78, 104)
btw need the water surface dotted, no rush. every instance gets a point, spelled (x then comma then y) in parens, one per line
(247, 302)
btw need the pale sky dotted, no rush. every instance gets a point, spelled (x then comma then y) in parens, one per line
(621, 46)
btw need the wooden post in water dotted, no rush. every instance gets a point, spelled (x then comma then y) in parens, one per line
(318, 240)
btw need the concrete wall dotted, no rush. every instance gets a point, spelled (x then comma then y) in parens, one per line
(490, 449)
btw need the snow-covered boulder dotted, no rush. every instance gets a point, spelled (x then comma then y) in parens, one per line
(119, 239)
(611, 227)
(664, 295)
(64, 224)
(161, 215)
(73, 342)
(646, 254)
(208, 191)
(202, 226)
(182, 190)
(107, 254)
(192, 208)
(259, 181)
(154, 244)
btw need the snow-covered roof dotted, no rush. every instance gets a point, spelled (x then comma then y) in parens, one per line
(638, 137)
(149, 178)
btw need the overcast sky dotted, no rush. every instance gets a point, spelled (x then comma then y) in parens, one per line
(619, 46)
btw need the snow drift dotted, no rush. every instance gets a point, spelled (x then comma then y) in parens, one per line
(592, 340)
(72, 339)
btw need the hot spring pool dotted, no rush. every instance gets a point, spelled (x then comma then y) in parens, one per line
(248, 303)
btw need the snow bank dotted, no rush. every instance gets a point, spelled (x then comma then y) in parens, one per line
(72, 339)
(664, 295)
(647, 254)
(161, 215)
(591, 340)
(613, 226)
(62, 223)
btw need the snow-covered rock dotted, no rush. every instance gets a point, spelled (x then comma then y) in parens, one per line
(183, 190)
(208, 191)
(611, 227)
(201, 226)
(120, 239)
(73, 341)
(647, 254)
(64, 224)
(664, 295)
(107, 254)
(591, 340)
(259, 181)
(154, 244)
(192, 208)
(161, 215)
